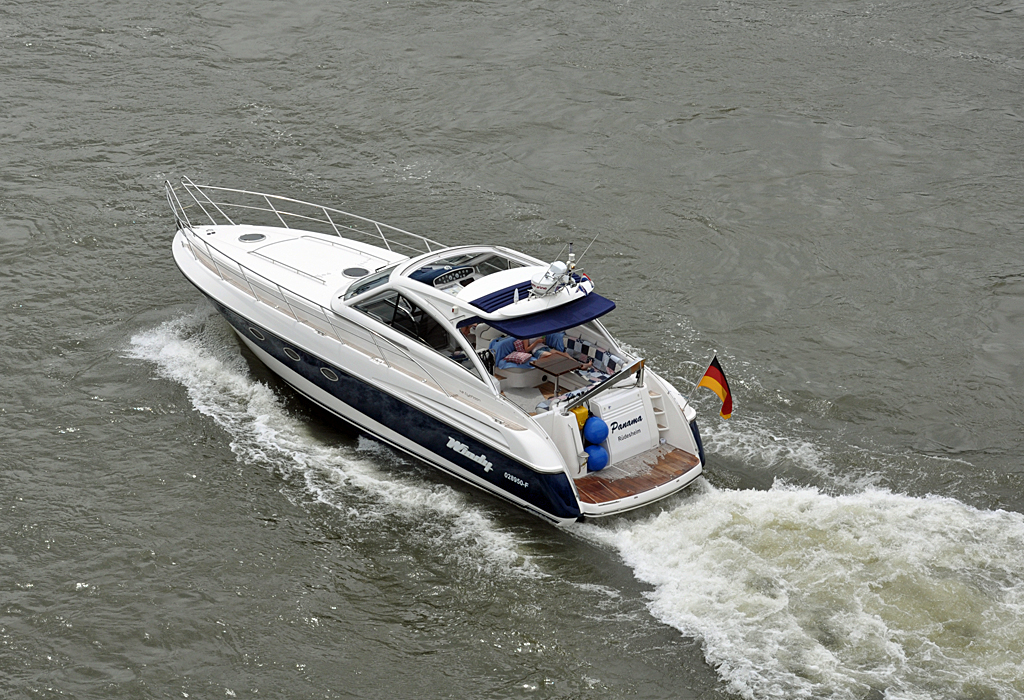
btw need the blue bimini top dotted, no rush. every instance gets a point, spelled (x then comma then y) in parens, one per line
(553, 320)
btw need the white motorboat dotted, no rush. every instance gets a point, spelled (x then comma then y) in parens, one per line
(414, 343)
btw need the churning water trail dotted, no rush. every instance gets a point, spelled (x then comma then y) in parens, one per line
(196, 351)
(796, 593)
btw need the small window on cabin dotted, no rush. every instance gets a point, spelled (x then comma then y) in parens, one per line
(369, 282)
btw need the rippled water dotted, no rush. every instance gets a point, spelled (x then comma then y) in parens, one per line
(826, 194)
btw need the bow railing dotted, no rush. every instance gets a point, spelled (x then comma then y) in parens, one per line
(222, 205)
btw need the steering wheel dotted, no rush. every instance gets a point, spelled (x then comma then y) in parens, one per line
(405, 320)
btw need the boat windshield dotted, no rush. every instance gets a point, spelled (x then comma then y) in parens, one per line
(405, 316)
(456, 271)
(369, 282)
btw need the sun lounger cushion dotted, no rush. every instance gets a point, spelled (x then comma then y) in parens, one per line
(604, 361)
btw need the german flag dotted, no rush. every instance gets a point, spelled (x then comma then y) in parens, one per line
(715, 380)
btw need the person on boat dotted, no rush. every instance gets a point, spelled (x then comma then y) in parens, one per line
(530, 345)
(516, 352)
(469, 333)
(554, 344)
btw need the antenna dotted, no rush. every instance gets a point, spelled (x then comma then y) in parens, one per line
(588, 247)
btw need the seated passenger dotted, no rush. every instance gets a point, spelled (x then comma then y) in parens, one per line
(547, 343)
(534, 347)
(554, 343)
(514, 352)
(469, 333)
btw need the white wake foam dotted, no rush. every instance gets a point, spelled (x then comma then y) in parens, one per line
(798, 594)
(794, 592)
(200, 353)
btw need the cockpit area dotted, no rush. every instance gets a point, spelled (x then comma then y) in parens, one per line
(454, 273)
(532, 348)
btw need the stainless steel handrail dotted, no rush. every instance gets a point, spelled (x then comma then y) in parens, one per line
(200, 195)
(606, 384)
(180, 217)
(214, 203)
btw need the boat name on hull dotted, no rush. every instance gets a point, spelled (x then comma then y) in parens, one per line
(615, 425)
(464, 450)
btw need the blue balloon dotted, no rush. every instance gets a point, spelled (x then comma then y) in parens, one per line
(595, 430)
(598, 458)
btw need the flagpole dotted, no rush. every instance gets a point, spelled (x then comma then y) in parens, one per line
(697, 385)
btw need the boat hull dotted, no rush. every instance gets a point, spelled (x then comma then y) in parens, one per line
(407, 428)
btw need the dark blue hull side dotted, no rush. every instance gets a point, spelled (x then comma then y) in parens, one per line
(550, 495)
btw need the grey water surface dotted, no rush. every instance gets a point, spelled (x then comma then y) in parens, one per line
(828, 194)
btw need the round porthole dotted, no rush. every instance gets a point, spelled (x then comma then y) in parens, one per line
(355, 272)
(329, 373)
(292, 354)
(252, 237)
(256, 334)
